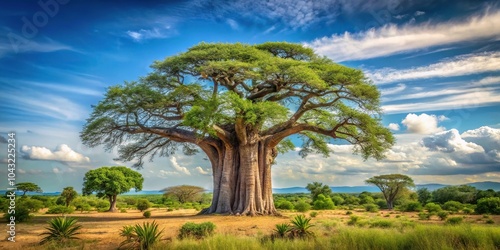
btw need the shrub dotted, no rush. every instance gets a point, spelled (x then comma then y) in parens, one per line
(424, 216)
(130, 201)
(301, 227)
(313, 214)
(32, 205)
(353, 220)
(433, 207)
(22, 215)
(302, 206)
(61, 229)
(123, 210)
(140, 237)
(442, 215)
(143, 204)
(381, 223)
(348, 213)
(170, 209)
(147, 214)
(323, 202)
(411, 206)
(467, 210)
(198, 231)
(454, 220)
(285, 205)
(490, 221)
(453, 206)
(101, 204)
(489, 205)
(371, 208)
(60, 209)
(337, 200)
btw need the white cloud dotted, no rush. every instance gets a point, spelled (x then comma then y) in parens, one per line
(393, 126)
(423, 123)
(21, 45)
(390, 91)
(466, 99)
(62, 153)
(487, 137)
(153, 33)
(233, 24)
(458, 66)
(391, 39)
(419, 13)
(178, 167)
(488, 81)
(202, 171)
(450, 141)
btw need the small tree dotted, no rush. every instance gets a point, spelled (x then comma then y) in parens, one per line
(391, 185)
(424, 195)
(69, 195)
(323, 202)
(184, 193)
(28, 187)
(143, 204)
(489, 205)
(109, 182)
(317, 188)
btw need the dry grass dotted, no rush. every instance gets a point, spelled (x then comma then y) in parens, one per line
(101, 230)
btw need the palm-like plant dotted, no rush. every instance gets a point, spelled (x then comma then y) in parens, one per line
(282, 229)
(301, 227)
(61, 229)
(140, 236)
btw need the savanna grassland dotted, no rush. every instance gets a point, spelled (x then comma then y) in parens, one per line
(333, 229)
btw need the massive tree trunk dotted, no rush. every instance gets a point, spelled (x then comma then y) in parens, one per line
(242, 179)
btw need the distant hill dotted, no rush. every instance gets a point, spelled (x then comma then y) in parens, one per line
(336, 189)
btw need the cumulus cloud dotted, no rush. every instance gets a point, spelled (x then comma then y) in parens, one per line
(457, 66)
(202, 171)
(487, 137)
(393, 126)
(178, 167)
(450, 141)
(62, 153)
(423, 123)
(391, 39)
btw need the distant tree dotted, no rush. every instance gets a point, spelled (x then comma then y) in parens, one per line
(462, 193)
(184, 193)
(391, 185)
(424, 195)
(489, 205)
(317, 188)
(143, 204)
(69, 195)
(28, 187)
(323, 202)
(109, 182)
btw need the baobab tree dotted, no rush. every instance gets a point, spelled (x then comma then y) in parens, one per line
(240, 104)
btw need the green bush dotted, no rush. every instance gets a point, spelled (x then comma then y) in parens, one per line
(22, 214)
(313, 214)
(433, 207)
(147, 214)
(61, 229)
(442, 215)
(82, 206)
(123, 210)
(300, 227)
(424, 216)
(454, 220)
(140, 237)
(101, 204)
(411, 206)
(467, 210)
(143, 204)
(198, 231)
(353, 220)
(60, 209)
(285, 205)
(323, 202)
(31, 204)
(489, 205)
(371, 208)
(302, 206)
(490, 221)
(281, 230)
(348, 213)
(453, 206)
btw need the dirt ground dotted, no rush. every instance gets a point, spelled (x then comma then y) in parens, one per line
(101, 230)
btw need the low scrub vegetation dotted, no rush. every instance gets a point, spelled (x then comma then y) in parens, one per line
(198, 231)
(61, 230)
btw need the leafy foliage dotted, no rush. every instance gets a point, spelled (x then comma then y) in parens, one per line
(69, 195)
(147, 214)
(488, 205)
(322, 203)
(61, 229)
(301, 227)
(60, 209)
(302, 206)
(317, 188)
(281, 230)
(143, 204)
(197, 231)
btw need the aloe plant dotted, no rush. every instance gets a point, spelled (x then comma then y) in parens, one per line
(61, 229)
(140, 236)
(301, 227)
(282, 229)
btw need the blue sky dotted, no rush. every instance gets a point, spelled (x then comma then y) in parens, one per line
(436, 63)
